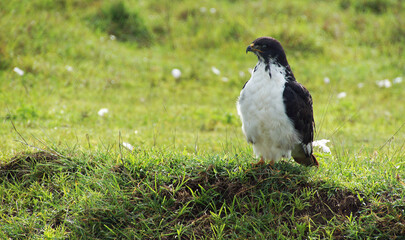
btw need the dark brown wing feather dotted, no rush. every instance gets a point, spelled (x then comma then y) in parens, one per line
(298, 104)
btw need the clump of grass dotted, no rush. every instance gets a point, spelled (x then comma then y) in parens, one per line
(22, 165)
(117, 20)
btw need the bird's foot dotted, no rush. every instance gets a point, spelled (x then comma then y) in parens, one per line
(260, 162)
(271, 164)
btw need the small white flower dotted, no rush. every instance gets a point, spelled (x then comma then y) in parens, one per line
(360, 85)
(136, 131)
(176, 73)
(127, 145)
(224, 79)
(397, 80)
(384, 83)
(69, 68)
(241, 74)
(322, 144)
(18, 71)
(215, 70)
(113, 37)
(203, 9)
(341, 95)
(102, 112)
(326, 80)
(213, 10)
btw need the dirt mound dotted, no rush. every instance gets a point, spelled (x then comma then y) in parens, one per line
(23, 164)
(322, 205)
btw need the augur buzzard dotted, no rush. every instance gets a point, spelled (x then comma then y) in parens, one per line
(276, 110)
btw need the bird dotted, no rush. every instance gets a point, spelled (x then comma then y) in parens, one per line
(275, 110)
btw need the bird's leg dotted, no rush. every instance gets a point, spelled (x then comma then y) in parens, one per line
(260, 162)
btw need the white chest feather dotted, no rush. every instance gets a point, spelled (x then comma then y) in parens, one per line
(264, 119)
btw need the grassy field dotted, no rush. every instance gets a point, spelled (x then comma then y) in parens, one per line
(100, 141)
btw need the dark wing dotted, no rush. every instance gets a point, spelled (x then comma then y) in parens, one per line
(298, 104)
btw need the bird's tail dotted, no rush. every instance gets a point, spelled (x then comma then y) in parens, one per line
(307, 161)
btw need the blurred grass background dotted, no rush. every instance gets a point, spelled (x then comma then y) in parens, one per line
(81, 56)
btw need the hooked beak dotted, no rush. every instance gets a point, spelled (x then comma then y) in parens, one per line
(251, 48)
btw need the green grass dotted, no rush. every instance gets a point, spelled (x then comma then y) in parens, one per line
(190, 175)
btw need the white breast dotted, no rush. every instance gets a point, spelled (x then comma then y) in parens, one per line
(264, 120)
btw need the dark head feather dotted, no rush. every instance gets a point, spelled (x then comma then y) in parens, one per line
(268, 49)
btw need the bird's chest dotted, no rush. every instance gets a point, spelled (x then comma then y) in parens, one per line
(261, 99)
(262, 111)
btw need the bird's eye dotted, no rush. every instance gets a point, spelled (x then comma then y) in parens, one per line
(264, 46)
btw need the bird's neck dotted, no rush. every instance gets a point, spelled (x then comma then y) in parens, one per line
(273, 67)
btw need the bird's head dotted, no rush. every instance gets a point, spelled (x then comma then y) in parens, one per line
(268, 49)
